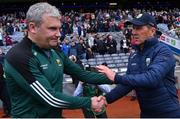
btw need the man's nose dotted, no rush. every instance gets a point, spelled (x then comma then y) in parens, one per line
(58, 34)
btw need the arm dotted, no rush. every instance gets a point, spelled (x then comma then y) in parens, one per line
(81, 74)
(162, 64)
(35, 83)
(118, 92)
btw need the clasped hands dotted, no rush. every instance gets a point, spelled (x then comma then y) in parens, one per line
(98, 103)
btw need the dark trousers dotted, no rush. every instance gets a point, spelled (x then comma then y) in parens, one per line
(4, 96)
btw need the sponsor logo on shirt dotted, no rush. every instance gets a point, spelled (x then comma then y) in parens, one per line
(35, 53)
(44, 66)
(58, 61)
(148, 60)
(134, 64)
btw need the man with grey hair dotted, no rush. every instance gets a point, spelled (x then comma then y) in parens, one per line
(34, 70)
(150, 72)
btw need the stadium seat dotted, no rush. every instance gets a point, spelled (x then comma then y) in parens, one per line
(114, 55)
(109, 61)
(123, 70)
(111, 66)
(117, 61)
(124, 57)
(92, 63)
(121, 54)
(177, 68)
(91, 60)
(116, 58)
(84, 60)
(125, 60)
(107, 55)
(120, 65)
(108, 58)
(115, 70)
(100, 62)
(100, 59)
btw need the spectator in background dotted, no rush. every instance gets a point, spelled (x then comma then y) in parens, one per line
(1, 35)
(89, 52)
(78, 62)
(8, 39)
(125, 46)
(81, 49)
(66, 47)
(73, 49)
(172, 31)
(90, 90)
(112, 25)
(111, 45)
(9, 29)
(100, 45)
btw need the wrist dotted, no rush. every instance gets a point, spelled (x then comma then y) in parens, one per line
(117, 78)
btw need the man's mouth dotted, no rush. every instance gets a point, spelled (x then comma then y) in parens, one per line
(135, 41)
(54, 39)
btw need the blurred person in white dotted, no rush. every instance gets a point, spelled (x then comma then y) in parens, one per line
(90, 90)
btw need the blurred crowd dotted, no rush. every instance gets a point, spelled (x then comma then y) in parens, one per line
(85, 28)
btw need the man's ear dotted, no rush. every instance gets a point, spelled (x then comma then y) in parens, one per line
(153, 30)
(32, 27)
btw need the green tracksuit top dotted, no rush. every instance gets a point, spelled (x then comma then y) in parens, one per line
(35, 80)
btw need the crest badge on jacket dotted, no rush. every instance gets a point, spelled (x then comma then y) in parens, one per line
(148, 60)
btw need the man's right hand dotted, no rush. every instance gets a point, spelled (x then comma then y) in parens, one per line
(98, 103)
(105, 70)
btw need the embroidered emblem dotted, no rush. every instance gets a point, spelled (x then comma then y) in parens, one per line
(35, 53)
(133, 64)
(44, 66)
(58, 62)
(148, 60)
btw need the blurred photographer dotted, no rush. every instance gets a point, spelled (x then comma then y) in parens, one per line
(90, 90)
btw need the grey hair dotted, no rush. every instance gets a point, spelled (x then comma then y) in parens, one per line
(36, 11)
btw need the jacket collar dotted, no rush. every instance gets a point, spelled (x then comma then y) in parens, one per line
(34, 46)
(147, 44)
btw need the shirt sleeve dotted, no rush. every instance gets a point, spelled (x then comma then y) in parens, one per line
(118, 92)
(32, 81)
(83, 75)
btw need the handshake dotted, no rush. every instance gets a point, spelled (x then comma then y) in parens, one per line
(98, 103)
